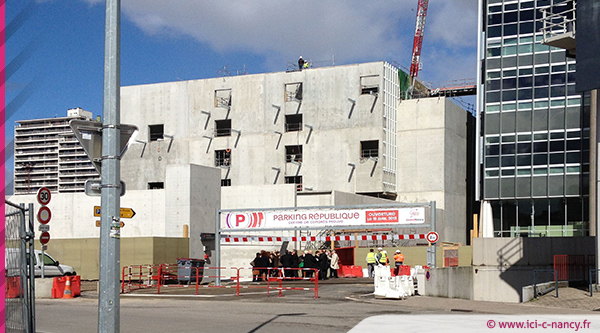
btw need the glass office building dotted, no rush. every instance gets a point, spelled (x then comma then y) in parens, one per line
(534, 126)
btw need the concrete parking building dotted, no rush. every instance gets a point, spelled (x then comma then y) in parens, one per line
(319, 137)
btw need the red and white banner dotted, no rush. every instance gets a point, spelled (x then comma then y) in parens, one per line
(320, 238)
(324, 218)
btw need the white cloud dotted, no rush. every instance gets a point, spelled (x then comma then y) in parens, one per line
(352, 30)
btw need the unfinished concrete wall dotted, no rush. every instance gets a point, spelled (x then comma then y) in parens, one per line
(432, 161)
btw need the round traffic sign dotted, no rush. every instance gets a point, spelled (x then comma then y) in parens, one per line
(44, 196)
(44, 215)
(45, 237)
(432, 237)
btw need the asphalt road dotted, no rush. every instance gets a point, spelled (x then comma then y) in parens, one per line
(338, 309)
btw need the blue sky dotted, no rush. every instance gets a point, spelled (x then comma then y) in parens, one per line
(170, 40)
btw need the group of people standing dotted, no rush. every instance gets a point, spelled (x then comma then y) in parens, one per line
(381, 258)
(269, 263)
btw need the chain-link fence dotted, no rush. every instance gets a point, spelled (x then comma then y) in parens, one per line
(19, 279)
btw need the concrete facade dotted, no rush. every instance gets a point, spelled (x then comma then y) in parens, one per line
(261, 141)
(503, 267)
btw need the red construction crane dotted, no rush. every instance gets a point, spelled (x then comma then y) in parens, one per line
(419, 30)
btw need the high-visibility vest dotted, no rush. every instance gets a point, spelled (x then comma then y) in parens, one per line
(383, 258)
(371, 258)
(399, 258)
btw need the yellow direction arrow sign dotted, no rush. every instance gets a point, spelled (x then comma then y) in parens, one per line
(98, 224)
(126, 213)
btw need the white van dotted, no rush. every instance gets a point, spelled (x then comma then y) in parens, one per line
(51, 267)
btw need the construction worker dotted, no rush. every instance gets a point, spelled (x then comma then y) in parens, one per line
(300, 63)
(399, 261)
(371, 261)
(306, 64)
(382, 258)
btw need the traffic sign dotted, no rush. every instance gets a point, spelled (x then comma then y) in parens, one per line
(45, 237)
(44, 215)
(432, 237)
(89, 134)
(126, 213)
(44, 227)
(44, 196)
(99, 222)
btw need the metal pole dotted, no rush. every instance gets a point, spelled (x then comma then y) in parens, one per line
(110, 232)
(218, 249)
(31, 280)
(432, 258)
(23, 271)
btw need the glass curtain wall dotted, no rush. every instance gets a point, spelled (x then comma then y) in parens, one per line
(535, 127)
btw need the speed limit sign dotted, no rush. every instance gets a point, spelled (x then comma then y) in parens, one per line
(432, 237)
(44, 196)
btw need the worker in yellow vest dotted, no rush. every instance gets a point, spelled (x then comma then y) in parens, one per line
(371, 261)
(382, 258)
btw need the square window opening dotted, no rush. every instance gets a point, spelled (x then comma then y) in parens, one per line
(369, 148)
(294, 180)
(223, 127)
(293, 122)
(223, 157)
(293, 92)
(369, 85)
(223, 98)
(293, 153)
(156, 132)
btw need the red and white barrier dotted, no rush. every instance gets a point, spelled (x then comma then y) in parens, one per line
(321, 238)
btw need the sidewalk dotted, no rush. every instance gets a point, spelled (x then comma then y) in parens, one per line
(570, 300)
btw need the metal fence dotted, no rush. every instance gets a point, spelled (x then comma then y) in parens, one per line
(19, 285)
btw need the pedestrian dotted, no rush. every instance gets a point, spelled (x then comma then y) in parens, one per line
(300, 63)
(310, 263)
(255, 272)
(334, 265)
(286, 263)
(323, 265)
(295, 264)
(262, 264)
(398, 261)
(371, 261)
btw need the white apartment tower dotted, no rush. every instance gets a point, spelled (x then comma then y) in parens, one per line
(47, 154)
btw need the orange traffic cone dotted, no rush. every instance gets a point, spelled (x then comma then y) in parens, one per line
(68, 293)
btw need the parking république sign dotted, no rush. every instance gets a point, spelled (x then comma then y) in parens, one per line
(324, 218)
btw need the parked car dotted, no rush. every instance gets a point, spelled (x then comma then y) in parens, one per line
(12, 263)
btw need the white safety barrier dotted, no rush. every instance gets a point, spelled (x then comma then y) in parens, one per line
(389, 286)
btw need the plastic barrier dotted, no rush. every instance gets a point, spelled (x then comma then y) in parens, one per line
(13, 287)
(58, 286)
(350, 271)
(389, 286)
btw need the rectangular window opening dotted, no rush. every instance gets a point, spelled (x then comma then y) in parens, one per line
(156, 185)
(293, 92)
(369, 148)
(369, 85)
(294, 180)
(223, 98)
(293, 153)
(223, 127)
(223, 158)
(156, 132)
(293, 122)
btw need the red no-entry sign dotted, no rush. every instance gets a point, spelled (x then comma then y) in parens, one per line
(45, 237)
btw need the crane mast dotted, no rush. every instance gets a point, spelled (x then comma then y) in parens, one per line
(418, 41)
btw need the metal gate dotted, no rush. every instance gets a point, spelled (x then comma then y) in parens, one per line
(18, 272)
